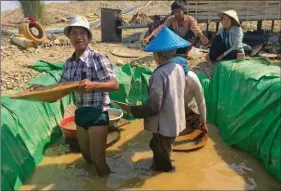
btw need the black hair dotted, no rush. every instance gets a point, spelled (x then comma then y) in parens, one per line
(176, 5)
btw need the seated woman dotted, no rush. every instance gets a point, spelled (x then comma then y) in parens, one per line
(228, 41)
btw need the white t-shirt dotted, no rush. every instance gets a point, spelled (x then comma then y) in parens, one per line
(194, 96)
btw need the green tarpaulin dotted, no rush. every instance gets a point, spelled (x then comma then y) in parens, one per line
(27, 128)
(244, 100)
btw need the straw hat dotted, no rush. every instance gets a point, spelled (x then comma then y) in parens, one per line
(232, 14)
(78, 21)
(166, 40)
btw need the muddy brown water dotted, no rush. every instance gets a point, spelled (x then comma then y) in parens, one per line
(216, 166)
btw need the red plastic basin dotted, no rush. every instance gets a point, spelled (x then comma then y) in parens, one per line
(69, 133)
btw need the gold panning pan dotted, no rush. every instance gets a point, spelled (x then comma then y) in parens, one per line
(190, 141)
(48, 93)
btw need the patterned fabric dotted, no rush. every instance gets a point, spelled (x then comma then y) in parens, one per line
(94, 66)
(182, 62)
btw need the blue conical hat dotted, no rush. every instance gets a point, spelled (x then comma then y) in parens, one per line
(166, 40)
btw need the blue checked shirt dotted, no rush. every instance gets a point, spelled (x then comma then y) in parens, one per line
(95, 67)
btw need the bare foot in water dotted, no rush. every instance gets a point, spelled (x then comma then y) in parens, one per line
(105, 171)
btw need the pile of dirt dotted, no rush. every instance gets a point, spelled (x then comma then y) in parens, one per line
(140, 18)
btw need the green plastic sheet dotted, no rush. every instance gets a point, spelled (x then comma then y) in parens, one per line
(27, 129)
(244, 100)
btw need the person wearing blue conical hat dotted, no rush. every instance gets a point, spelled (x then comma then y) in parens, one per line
(163, 112)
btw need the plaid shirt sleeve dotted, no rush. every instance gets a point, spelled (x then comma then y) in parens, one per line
(191, 21)
(65, 77)
(105, 70)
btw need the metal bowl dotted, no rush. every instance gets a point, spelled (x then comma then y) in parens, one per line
(114, 121)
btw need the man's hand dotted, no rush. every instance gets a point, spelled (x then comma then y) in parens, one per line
(204, 39)
(146, 40)
(34, 86)
(125, 107)
(204, 128)
(86, 86)
(220, 58)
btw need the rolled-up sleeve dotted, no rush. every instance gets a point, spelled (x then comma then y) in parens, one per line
(155, 99)
(104, 68)
(193, 25)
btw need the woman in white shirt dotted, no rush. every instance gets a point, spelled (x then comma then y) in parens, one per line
(195, 106)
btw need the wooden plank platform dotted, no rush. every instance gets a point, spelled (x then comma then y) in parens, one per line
(206, 11)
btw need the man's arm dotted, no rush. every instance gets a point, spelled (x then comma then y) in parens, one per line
(106, 75)
(198, 93)
(194, 27)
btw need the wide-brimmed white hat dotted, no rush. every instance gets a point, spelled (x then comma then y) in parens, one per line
(233, 15)
(78, 21)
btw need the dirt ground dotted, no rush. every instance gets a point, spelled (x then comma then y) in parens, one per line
(14, 74)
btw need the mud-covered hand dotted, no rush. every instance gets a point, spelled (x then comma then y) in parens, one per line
(86, 86)
(125, 107)
(204, 128)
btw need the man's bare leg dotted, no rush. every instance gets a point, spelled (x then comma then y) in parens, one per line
(98, 137)
(84, 142)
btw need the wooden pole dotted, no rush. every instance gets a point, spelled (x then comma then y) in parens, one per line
(272, 25)
(259, 26)
(217, 26)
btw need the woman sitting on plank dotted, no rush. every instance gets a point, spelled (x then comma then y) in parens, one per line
(228, 41)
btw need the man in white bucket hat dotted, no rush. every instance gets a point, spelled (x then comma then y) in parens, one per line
(228, 41)
(95, 71)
